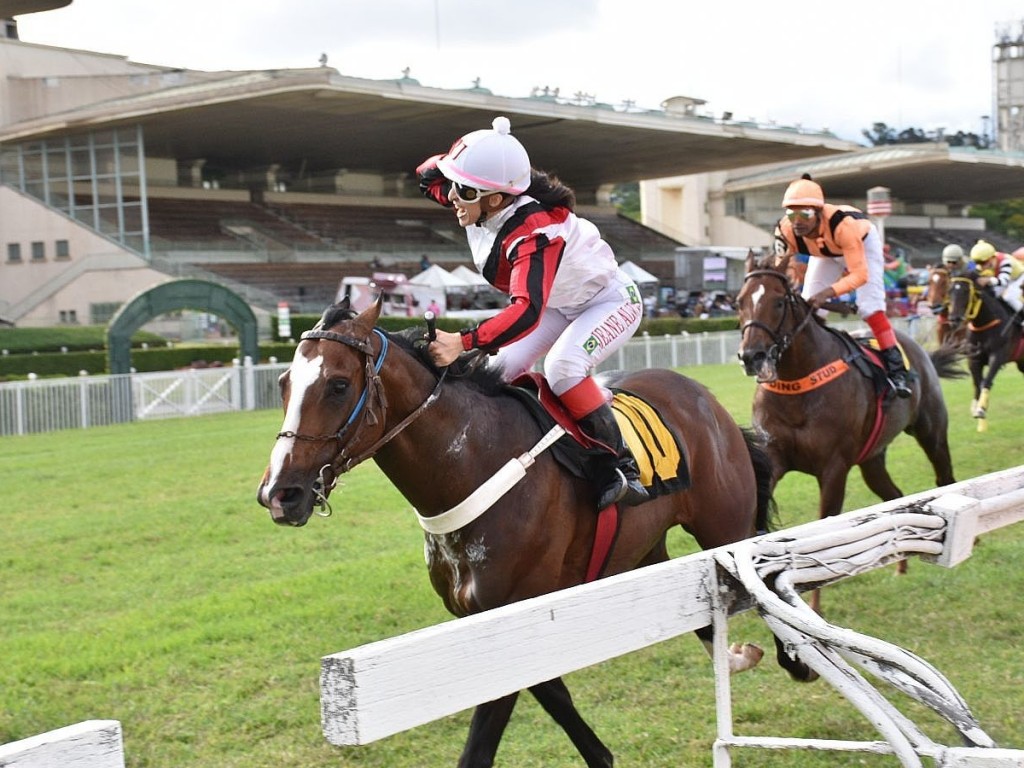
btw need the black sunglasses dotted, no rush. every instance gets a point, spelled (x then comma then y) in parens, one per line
(470, 194)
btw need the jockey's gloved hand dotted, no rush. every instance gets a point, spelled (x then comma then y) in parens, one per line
(433, 183)
(818, 300)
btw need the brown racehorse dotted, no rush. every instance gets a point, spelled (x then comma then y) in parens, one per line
(354, 392)
(936, 297)
(993, 339)
(821, 416)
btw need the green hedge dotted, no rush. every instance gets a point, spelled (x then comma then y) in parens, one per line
(73, 338)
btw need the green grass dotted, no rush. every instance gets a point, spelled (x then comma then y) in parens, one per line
(140, 581)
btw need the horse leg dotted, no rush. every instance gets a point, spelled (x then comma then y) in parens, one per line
(554, 696)
(746, 656)
(832, 493)
(485, 731)
(977, 367)
(742, 656)
(879, 482)
(931, 431)
(995, 362)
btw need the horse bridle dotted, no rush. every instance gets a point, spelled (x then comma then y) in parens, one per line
(371, 409)
(974, 299)
(781, 341)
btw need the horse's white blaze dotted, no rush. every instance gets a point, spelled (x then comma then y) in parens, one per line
(757, 295)
(302, 374)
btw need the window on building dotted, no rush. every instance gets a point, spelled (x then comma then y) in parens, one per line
(101, 312)
(38, 250)
(63, 249)
(14, 252)
(68, 316)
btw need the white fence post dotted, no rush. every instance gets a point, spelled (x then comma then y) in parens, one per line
(89, 744)
(248, 384)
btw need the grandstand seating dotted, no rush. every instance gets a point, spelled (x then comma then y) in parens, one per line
(356, 227)
(313, 245)
(925, 245)
(176, 220)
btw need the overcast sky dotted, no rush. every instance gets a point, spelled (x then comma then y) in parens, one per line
(839, 66)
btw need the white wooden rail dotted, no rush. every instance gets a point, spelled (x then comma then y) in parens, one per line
(90, 744)
(385, 687)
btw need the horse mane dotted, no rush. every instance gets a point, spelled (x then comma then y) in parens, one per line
(467, 370)
(486, 379)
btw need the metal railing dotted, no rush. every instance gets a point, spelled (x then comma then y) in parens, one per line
(48, 405)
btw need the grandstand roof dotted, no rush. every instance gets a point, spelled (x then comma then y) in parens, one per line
(919, 173)
(318, 119)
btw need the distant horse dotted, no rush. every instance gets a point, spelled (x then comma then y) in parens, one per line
(937, 298)
(992, 339)
(822, 404)
(355, 392)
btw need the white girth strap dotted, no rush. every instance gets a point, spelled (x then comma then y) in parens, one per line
(483, 498)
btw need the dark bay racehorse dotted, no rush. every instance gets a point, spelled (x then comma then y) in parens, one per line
(937, 298)
(355, 392)
(992, 339)
(823, 417)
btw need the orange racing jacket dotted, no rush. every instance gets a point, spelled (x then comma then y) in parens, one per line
(841, 232)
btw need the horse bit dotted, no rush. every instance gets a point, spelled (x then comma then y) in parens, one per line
(781, 341)
(373, 397)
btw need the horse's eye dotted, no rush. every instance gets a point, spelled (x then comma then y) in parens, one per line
(337, 387)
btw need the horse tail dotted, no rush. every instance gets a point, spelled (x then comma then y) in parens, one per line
(947, 360)
(767, 510)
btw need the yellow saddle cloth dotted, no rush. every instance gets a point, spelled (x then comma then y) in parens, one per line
(658, 451)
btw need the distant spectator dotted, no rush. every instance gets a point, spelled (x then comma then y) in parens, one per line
(649, 305)
(895, 275)
(435, 308)
(424, 263)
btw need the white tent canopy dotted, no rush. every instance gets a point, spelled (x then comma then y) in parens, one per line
(470, 276)
(638, 274)
(436, 276)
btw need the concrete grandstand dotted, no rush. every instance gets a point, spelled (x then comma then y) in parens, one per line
(116, 176)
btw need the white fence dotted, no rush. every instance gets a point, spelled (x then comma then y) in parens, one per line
(392, 685)
(47, 405)
(90, 744)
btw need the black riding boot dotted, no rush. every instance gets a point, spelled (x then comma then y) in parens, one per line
(896, 371)
(623, 485)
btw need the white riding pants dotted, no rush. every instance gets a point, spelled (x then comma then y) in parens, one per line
(574, 340)
(823, 271)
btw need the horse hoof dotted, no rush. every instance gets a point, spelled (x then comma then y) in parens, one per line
(744, 656)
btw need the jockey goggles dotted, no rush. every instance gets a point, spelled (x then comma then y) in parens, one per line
(470, 194)
(801, 213)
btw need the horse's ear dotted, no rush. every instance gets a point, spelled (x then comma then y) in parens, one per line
(782, 262)
(367, 319)
(751, 261)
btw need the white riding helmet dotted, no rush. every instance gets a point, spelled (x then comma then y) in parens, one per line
(952, 254)
(491, 160)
